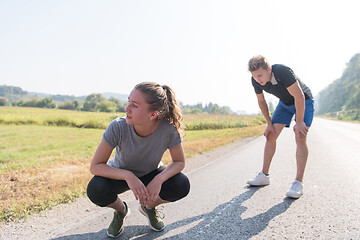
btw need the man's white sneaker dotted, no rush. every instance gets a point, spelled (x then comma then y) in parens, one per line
(260, 180)
(296, 190)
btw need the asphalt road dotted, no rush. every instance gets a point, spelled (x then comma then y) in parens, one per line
(222, 206)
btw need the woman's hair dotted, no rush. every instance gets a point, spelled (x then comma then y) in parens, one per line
(162, 99)
(257, 62)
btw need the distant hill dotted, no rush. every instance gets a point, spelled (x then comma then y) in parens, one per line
(57, 98)
(344, 93)
(13, 93)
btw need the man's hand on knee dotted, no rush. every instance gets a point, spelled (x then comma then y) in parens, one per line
(301, 129)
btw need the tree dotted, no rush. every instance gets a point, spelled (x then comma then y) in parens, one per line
(106, 106)
(4, 102)
(209, 108)
(120, 107)
(70, 105)
(36, 102)
(91, 101)
(46, 103)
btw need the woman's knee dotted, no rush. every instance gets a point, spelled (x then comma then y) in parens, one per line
(183, 185)
(96, 185)
(99, 191)
(175, 188)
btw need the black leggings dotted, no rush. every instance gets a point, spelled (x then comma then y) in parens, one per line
(103, 191)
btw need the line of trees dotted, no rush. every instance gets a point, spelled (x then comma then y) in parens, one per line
(93, 103)
(36, 102)
(210, 108)
(96, 102)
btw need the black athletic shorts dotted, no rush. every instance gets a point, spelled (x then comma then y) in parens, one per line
(103, 191)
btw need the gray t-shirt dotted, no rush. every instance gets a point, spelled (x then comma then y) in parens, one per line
(140, 155)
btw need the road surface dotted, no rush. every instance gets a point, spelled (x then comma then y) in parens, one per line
(222, 206)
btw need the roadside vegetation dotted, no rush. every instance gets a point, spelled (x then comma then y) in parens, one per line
(95, 102)
(341, 99)
(45, 153)
(350, 115)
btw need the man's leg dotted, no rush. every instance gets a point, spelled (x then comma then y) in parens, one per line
(302, 153)
(296, 189)
(262, 179)
(270, 146)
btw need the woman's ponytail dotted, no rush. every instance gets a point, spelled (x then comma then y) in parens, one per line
(174, 114)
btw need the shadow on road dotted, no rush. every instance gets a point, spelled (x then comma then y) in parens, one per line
(224, 222)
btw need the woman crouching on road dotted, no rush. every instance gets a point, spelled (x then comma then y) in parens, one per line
(152, 125)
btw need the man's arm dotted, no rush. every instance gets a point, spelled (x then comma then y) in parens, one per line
(296, 92)
(264, 107)
(265, 111)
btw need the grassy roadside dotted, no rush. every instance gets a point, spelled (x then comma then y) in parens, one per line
(38, 188)
(55, 117)
(347, 116)
(42, 166)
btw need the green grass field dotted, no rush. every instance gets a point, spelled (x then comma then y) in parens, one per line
(27, 146)
(57, 117)
(43, 164)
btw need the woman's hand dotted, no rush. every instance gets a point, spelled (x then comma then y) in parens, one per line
(153, 189)
(137, 187)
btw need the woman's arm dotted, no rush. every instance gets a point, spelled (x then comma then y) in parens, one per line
(99, 167)
(177, 164)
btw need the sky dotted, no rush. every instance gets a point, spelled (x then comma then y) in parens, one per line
(200, 48)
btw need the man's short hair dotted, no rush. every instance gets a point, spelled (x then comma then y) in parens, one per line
(257, 62)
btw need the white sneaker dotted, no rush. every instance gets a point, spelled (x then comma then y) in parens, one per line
(296, 190)
(260, 180)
